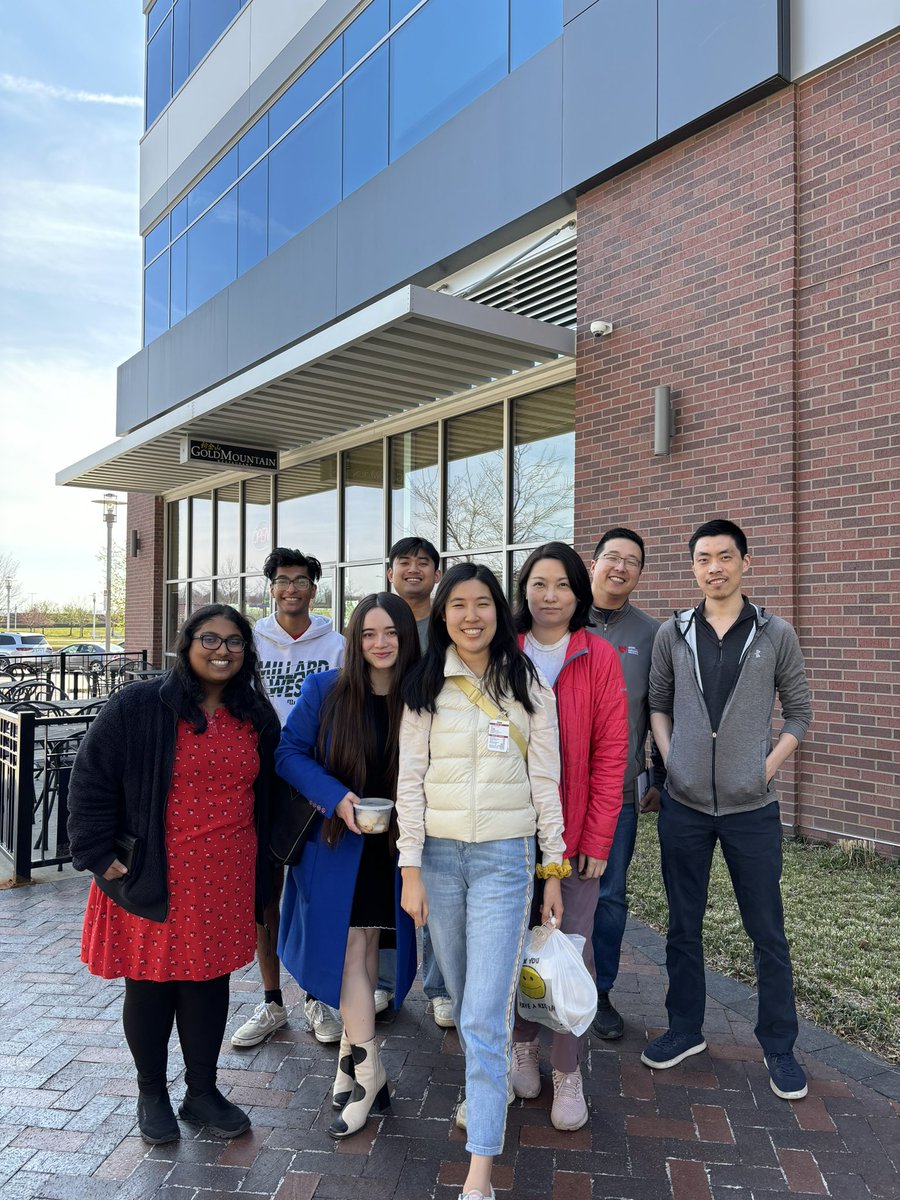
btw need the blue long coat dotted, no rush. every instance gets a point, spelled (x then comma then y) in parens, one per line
(318, 892)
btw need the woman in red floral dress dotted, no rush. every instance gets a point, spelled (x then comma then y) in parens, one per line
(168, 808)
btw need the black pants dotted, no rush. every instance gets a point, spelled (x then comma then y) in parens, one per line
(751, 845)
(201, 1010)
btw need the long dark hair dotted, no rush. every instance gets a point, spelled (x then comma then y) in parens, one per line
(509, 671)
(576, 573)
(346, 732)
(244, 695)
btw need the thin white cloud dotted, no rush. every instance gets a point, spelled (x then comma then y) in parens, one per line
(22, 86)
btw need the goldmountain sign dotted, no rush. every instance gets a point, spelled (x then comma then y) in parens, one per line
(219, 454)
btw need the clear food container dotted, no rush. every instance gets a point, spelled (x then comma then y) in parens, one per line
(373, 815)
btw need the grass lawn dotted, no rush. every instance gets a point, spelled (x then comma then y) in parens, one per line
(842, 915)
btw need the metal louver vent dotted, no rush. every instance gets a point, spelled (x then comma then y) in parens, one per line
(542, 288)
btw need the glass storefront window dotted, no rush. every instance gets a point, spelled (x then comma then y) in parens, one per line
(414, 484)
(360, 582)
(178, 540)
(228, 530)
(176, 609)
(544, 466)
(201, 535)
(363, 503)
(227, 591)
(475, 480)
(494, 561)
(323, 604)
(257, 600)
(307, 508)
(201, 593)
(258, 518)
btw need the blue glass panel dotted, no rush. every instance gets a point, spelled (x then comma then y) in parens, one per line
(179, 217)
(155, 16)
(156, 298)
(447, 54)
(305, 91)
(252, 217)
(305, 173)
(399, 8)
(212, 251)
(213, 183)
(159, 71)
(157, 239)
(532, 25)
(181, 45)
(362, 34)
(178, 297)
(254, 143)
(366, 121)
(208, 19)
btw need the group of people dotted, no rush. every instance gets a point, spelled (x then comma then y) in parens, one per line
(513, 743)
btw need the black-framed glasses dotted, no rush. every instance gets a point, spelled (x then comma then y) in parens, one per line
(616, 560)
(301, 583)
(212, 641)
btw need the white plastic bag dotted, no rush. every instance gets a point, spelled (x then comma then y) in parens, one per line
(555, 987)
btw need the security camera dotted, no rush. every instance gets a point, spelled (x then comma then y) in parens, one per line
(601, 328)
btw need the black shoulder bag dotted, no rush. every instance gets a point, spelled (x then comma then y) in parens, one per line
(293, 820)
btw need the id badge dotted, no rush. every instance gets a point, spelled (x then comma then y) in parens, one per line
(498, 736)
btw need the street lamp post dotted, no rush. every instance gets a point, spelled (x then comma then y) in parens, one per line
(8, 581)
(93, 616)
(110, 503)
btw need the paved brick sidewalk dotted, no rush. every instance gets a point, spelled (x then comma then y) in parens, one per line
(709, 1130)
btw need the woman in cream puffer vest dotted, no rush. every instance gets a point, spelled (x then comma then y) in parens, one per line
(478, 776)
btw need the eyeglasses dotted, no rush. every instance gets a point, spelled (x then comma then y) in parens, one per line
(212, 641)
(616, 560)
(301, 583)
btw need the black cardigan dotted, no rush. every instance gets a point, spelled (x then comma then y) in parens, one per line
(120, 784)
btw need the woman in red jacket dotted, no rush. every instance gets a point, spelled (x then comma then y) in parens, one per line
(552, 612)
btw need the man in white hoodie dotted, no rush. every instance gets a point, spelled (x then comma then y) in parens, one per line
(291, 643)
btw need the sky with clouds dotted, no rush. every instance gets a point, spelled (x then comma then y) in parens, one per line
(71, 78)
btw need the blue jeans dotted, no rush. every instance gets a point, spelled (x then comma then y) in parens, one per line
(612, 907)
(432, 979)
(479, 900)
(751, 846)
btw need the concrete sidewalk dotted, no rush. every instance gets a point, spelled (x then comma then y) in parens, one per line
(708, 1130)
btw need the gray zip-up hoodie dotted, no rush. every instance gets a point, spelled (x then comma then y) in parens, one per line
(725, 771)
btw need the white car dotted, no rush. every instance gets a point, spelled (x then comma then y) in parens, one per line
(19, 647)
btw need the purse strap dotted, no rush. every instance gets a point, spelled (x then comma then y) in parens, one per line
(480, 700)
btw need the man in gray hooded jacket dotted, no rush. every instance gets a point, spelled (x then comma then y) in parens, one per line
(715, 673)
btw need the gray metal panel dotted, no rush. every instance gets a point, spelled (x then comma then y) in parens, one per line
(609, 86)
(710, 52)
(132, 406)
(496, 160)
(192, 353)
(285, 296)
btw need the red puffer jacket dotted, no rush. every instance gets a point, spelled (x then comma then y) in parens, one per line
(593, 731)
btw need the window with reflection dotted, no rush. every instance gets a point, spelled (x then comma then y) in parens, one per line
(360, 582)
(201, 593)
(415, 485)
(252, 219)
(227, 591)
(257, 599)
(305, 173)
(475, 480)
(543, 480)
(228, 530)
(201, 535)
(307, 508)
(323, 603)
(258, 521)
(178, 540)
(212, 251)
(176, 610)
(363, 501)
(493, 561)
(533, 24)
(156, 298)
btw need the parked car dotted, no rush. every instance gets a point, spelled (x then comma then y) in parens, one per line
(90, 655)
(16, 647)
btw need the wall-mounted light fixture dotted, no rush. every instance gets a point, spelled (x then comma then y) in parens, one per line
(663, 420)
(134, 543)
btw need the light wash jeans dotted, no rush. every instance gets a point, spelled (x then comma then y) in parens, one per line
(432, 980)
(479, 901)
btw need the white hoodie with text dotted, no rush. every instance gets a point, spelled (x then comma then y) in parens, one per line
(285, 661)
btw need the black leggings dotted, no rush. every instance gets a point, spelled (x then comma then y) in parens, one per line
(201, 1011)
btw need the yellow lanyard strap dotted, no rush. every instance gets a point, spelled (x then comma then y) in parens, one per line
(487, 706)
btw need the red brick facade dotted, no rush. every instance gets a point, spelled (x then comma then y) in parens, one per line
(754, 268)
(144, 574)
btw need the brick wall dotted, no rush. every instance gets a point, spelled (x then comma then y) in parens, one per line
(144, 575)
(750, 268)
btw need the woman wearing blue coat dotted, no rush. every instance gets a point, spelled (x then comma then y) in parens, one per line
(340, 743)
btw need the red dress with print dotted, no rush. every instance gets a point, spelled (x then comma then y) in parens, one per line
(211, 857)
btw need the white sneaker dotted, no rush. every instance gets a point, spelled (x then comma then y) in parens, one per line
(460, 1117)
(569, 1109)
(383, 1000)
(265, 1020)
(324, 1023)
(442, 1010)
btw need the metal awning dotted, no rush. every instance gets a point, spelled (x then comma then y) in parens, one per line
(398, 354)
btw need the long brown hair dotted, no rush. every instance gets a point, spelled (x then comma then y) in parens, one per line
(346, 736)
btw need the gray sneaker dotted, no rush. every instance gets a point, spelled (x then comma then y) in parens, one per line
(265, 1020)
(324, 1023)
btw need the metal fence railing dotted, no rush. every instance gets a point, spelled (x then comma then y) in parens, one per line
(72, 676)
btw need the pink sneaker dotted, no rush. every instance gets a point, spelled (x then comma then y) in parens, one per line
(569, 1109)
(525, 1078)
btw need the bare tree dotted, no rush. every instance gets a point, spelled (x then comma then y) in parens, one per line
(10, 588)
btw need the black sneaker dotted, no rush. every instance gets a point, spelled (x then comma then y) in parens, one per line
(608, 1023)
(671, 1048)
(786, 1077)
(156, 1120)
(219, 1115)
